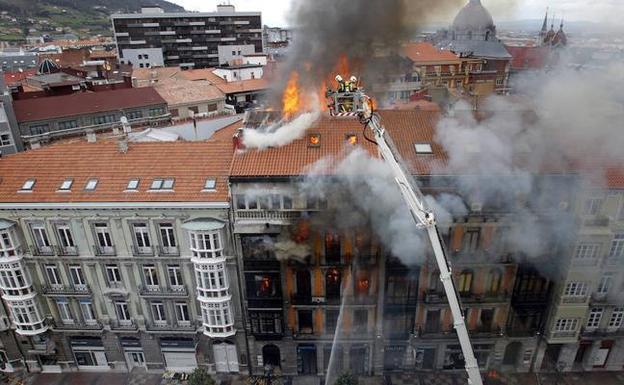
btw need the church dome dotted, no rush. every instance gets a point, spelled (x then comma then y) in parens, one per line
(473, 16)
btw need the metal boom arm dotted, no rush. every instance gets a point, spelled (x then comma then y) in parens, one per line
(425, 218)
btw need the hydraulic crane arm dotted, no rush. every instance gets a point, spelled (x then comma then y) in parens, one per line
(425, 218)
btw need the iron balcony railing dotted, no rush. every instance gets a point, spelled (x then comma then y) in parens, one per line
(123, 325)
(104, 250)
(62, 290)
(142, 251)
(66, 250)
(163, 291)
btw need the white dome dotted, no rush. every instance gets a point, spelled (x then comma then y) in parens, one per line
(473, 17)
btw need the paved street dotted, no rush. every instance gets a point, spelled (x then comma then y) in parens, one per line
(427, 378)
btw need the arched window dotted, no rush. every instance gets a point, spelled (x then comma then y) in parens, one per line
(494, 280)
(333, 281)
(465, 281)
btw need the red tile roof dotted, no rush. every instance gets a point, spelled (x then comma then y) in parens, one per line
(405, 127)
(12, 78)
(426, 53)
(528, 57)
(36, 109)
(243, 86)
(190, 163)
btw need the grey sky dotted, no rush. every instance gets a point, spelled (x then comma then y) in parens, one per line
(275, 12)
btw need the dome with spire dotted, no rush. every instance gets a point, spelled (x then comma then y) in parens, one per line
(47, 67)
(473, 16)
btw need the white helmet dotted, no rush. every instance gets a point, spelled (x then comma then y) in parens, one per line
(338, 78)
(353, 79)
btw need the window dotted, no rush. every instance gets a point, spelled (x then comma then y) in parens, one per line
(167, 236)
(67, 124)
(471, 239)
(332, 248)
(77, 279)
(305, 322)
(263, 322)
(156, 111)
(182, 312)
(103, 119)
(52, 273)
(121, 308)
(65, 236)
(5, 140)
(133, 184)
(617, 246)
(575, 289)
(210, 184)
(566, 324)
(64, 311)
(423, 148)
(28, 185)
(88, 314)
(605, 283)
(331, 320)
(151, 275)
(360, 321)
(500, 81)
(162, 184)
(66, 185)
(132, 115)
(103, 238)
(495, 278)
(314, 140)
(333, 282)
(175, 275)
(262, 285)
(39, 129)
(158, 312)
(616, 318)
(587, 251)
(465, 282)
(141, 236)
(91, 184)
(595, 315)
(206, 244)
(41, 237)
(145, 56)
(592, 206)
(113, 274)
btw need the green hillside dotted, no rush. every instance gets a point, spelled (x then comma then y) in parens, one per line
(20, 18)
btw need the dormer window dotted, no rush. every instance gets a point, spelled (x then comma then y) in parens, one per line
(210, 184)
(28, 185)
(66, 185)
(162, 184)
(423, 148)
(314, 140)
(91, 184)
(133, 184)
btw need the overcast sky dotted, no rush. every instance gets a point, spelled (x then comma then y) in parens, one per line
(275, 12)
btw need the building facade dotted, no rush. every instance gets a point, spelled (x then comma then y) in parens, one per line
(10, 140)
(187, 40)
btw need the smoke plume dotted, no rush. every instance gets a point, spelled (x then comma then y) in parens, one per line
(279, 134)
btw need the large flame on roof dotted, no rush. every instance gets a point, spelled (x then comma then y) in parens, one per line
(291, 100)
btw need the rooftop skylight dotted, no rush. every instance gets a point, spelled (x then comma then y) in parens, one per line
(28, 185)
(423, 148)
(211, 184)
(66, 185)
(91, 184)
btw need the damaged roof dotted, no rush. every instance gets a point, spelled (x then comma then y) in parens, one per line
(405, 127)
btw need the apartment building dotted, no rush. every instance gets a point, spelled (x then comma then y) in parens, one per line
(45, 119)
(10, 140)
(584, 330)
(187, 39)
(110, 261)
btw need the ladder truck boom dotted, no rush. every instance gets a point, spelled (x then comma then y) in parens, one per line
(350, 101)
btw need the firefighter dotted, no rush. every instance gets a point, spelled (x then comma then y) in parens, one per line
(353, 84)
(341, 84)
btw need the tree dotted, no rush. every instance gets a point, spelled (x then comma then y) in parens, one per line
(200, 377)
(346, 379)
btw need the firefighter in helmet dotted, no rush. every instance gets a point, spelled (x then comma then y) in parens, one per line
(342, 87)
(352, 84)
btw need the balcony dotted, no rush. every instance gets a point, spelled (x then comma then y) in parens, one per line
(163, 292)
(574, 299)
(177, 326)
(123, 325)
(602, 332)
(597, 222)
(63, 290)
(267, 216)
(42, 250)
(489, 297)
(104, 250)
(436, 332)
(142, 251)
(169, 251)
(78, 325)
(434, 296)
(66, 250)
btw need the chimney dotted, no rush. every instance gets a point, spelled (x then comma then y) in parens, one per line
(122, 144)
(91, 138)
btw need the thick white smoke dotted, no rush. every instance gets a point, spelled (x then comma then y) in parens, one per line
(280, 134)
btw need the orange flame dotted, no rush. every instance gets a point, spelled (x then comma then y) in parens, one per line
(291, 101)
